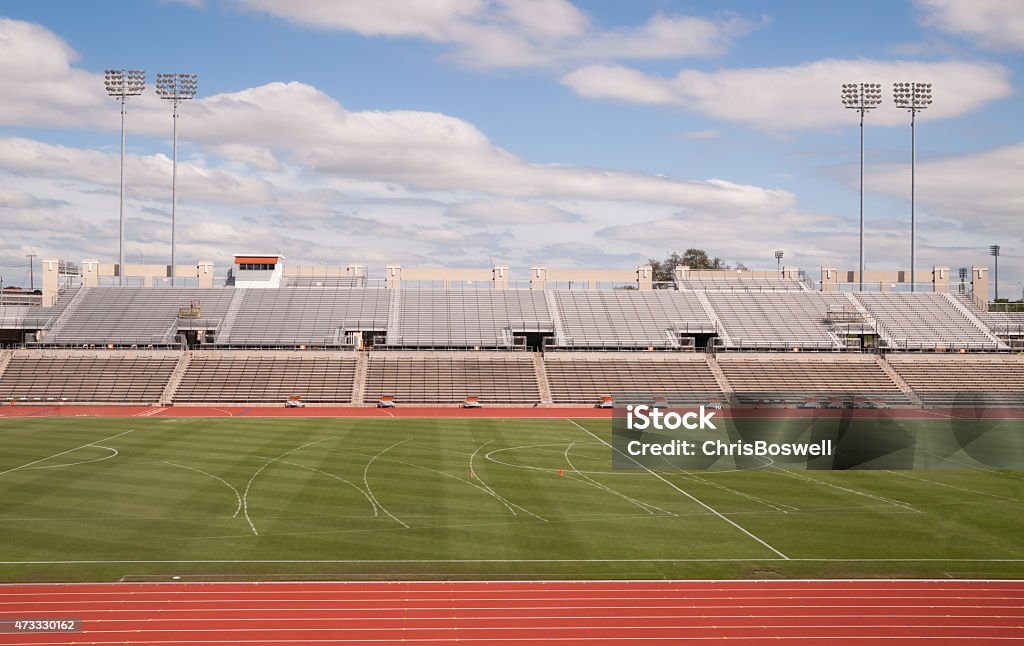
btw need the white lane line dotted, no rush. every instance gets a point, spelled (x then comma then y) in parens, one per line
(831, 485)
(229, 485)
(373, 505)
(588, 480)
(682, 491)
(248, 485)
(366, 482)
(57, 455)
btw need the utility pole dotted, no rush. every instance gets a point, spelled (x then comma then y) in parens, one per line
(31, 271)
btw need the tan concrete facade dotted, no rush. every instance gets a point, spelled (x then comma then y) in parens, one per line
(642, 277)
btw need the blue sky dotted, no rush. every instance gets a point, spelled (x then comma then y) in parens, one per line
(533, 132)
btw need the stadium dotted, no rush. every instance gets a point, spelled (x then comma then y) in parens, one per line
(401, 367)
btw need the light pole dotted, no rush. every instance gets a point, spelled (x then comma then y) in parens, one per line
(964, 273)
(993, 251)
(912, 97)
(862, 97)
(778, 261)
(176, 88)
(122, 84)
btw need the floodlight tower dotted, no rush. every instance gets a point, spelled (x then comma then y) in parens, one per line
(993, 251)
(121, 84)
(176, 88)
(778, 261)
(913, 97)
(862, 97)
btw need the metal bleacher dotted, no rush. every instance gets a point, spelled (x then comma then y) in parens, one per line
(450, 377)
(925, 321)
(139, 316)
(629, 318)
(779, 321)
(113, 376)
(464, 318)
(297, 315)
(238, 376)
(584, 377)
(953, 378)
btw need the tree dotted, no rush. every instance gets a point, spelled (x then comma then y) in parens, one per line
(664, 270)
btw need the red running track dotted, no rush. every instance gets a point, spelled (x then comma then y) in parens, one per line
(597, 612)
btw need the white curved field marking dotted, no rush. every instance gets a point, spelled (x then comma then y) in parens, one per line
(508, 503)
(373, 505)
(248, 485)
(57, 455)
(369, 491)
(594, 483)
(71, 464)
(683, 491)
(229, 485)
(888, 501)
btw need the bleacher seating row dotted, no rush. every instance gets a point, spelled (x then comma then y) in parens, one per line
(491, 318)
(514, 378)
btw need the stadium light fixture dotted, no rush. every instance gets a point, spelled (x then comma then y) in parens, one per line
(121, 84)
(778, 260)
(175, 87)
(993, 251)
(862, 97)
(913, 97)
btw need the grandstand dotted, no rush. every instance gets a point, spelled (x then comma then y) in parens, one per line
(266, 376)
(628, 318)
(586, 377)
(296, 316)
(464, 318)
(116, 376)
(339, 339)
(810, 377)
(451, 377)
(779, 321)
(919, 321)
(950, 379)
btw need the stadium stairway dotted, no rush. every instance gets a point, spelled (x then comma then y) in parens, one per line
(359, 379)
(543, 385)
(904, 387)
(66, 315)
(179, 373)
(970, 316)
(723, 334)
(723, 381)
(224, 335)
(5, 358)
(556, 318)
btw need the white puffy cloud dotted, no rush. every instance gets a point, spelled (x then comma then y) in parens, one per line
(260, 126)
(508, 212)
(994, 24)
(514, 33)
(976, 188)
(797, 97)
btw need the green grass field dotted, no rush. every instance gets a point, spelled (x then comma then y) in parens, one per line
(147, 499)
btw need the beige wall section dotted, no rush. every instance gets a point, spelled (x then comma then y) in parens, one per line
(979, 283)
(642, 276)
(318, 271)
(93, 270)
(51, 281)
(395, 274)
(940, 279)
(829, 279)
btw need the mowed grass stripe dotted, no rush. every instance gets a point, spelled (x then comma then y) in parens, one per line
(137, 507)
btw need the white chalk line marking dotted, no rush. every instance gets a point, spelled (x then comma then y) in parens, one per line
(682, 491)
(57, 455)
(594, 483)
(113, 454)
(831, 485)
(248, 485)
(366, 482)
(229, 485)
(373, 505)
